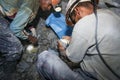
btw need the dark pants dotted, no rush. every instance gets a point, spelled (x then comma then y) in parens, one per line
(10, 50)
(10, 46)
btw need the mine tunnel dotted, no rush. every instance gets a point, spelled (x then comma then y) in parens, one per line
(25, 68)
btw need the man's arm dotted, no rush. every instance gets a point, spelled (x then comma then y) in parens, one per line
(62, 53)
(77, 47)
(20, 22)
(63, 44)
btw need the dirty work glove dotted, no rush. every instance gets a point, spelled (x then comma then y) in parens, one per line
(32, 39)
(33, 32)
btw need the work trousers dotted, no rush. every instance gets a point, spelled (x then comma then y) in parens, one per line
(51, 67)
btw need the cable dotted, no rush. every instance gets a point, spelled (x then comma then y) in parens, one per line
(96, 40)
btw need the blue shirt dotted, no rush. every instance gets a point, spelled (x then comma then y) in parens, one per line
(26, 11)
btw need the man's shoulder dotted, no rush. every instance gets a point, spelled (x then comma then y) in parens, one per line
(108, 12)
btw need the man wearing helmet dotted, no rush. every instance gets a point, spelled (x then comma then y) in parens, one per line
(82, 50)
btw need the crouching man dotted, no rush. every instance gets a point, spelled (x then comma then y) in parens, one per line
(84, 47)
(23, 13)
(10, 50)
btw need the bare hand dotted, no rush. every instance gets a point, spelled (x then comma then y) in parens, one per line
(32, 39)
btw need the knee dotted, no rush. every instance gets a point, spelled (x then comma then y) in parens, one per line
(42, 58)
(46, 60)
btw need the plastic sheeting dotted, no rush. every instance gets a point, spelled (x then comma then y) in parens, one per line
(56, 21)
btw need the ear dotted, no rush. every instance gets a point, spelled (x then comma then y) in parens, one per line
(77, 11)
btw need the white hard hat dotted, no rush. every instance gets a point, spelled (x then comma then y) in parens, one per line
(70, 6)
(74, 3)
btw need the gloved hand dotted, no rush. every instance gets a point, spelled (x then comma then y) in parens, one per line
(61, 49)
(32, 39)
(33, 32)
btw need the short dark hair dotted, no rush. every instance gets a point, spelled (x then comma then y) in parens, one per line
(87, 5)
(70, 14)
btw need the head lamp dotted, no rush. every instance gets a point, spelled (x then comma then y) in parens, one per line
(58, 7)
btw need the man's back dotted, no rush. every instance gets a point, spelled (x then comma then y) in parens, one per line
(83, 47)
(108, 42)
